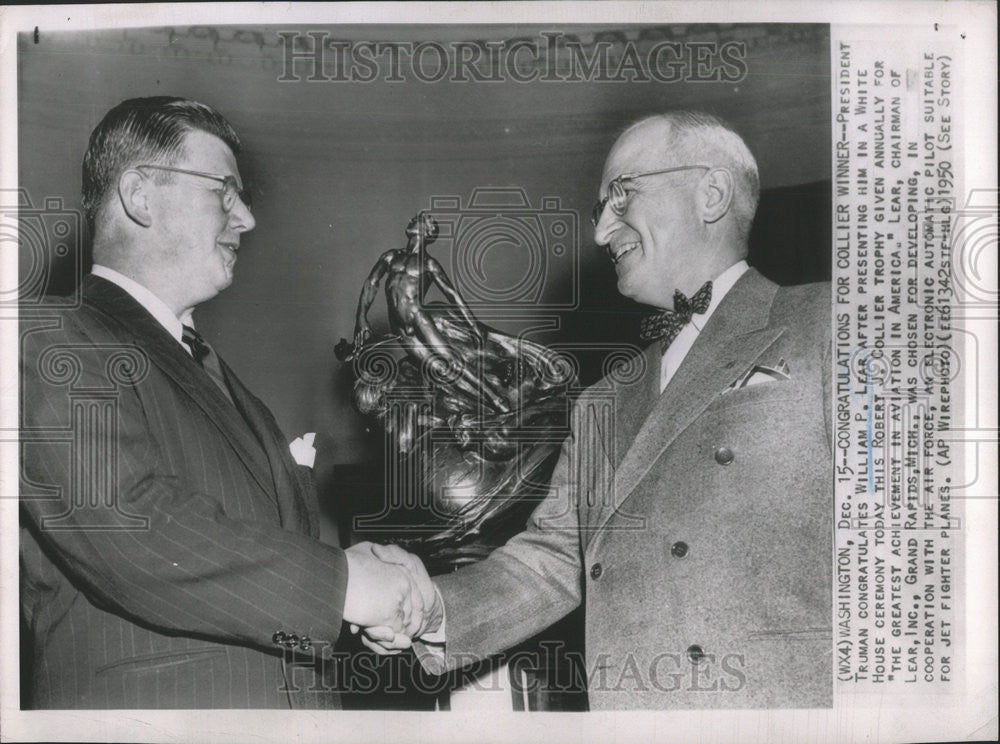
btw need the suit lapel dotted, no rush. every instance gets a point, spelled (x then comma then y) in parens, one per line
(735, 335)
(289, 487)
(634, 403)
(166, 354)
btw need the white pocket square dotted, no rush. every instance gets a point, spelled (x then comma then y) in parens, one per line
(759, 374)
(303, 451)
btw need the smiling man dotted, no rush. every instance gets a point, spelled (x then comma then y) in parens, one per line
(697, 526)
(169, 545)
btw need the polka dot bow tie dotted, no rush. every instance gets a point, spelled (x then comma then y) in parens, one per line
(666, 325)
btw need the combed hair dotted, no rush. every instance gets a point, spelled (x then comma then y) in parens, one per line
(143, 130)
(699, 137)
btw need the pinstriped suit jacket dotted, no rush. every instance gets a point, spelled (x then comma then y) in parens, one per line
(166, 534)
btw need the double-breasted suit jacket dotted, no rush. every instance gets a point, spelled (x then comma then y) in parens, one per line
(695, 525)
(169, 543)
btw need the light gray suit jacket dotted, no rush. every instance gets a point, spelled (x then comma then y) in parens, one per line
(696, 524)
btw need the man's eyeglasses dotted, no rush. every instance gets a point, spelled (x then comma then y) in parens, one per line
(617, 195)
(231, 190)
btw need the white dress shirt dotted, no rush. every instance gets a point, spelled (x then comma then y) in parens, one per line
(156, 307)
(684, 340)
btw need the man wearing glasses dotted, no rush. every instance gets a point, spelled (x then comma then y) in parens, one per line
(170, 554)
(697, 525)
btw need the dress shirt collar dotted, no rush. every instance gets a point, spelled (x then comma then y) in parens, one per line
(720, 288)
(671, 360)
(153, 304)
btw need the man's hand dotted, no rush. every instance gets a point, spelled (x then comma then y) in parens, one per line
(384, 640)
(382, 594)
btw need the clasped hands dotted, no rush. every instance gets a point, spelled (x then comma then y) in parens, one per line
(390, 597)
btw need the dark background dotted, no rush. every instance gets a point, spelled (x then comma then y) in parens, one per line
(337, 169)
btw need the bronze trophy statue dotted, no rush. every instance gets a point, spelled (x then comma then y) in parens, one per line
(484, 412)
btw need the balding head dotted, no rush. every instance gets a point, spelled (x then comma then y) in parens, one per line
(698, 137)
(683, 190)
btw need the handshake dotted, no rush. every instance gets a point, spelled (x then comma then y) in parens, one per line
(390, 597)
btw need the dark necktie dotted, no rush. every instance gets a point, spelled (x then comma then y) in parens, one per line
(667, 324)
(206, 358)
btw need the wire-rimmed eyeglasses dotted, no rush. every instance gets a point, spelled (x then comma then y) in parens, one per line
(618, 197)
(231, 190)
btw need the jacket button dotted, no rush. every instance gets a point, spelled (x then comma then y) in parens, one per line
(724, 455)
(279, 638)
(695, 653)
(679, 549)
(596, 570)
(305, 643)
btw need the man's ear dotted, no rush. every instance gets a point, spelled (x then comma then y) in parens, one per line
(133, 193)
(716, 194)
